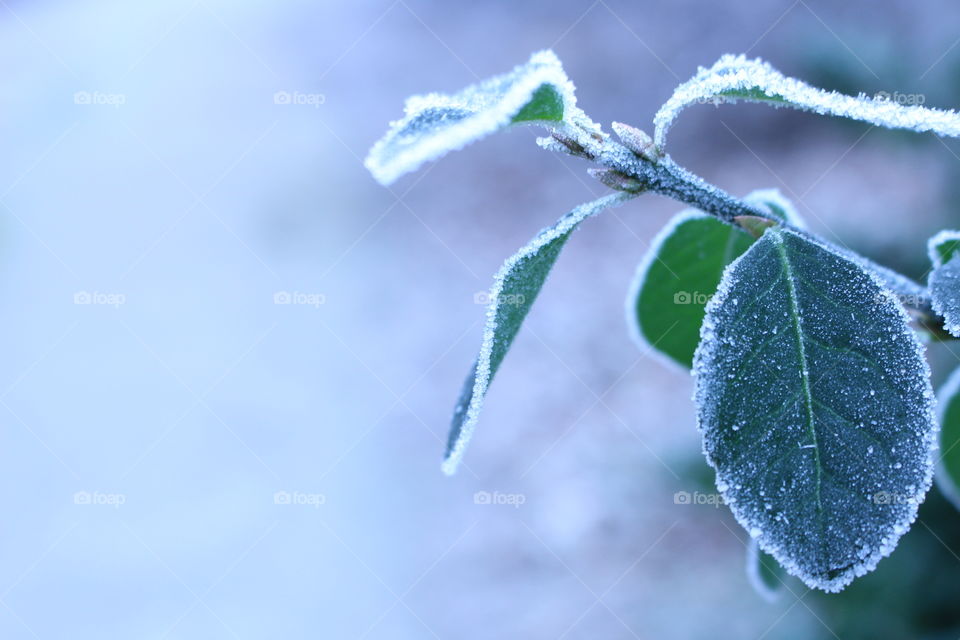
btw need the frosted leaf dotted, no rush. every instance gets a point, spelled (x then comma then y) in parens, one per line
(681, 270)
(827, 475)
(515, 287)
(942, 246)
(536, 92)
(765, 575)
(944, 279)
(734, 78)
(948, 467)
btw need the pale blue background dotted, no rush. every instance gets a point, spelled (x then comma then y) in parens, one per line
(198, 398)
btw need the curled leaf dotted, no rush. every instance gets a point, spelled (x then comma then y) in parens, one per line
(536, 92)
(734, 78)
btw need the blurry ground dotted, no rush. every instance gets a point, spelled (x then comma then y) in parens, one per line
(187, 191)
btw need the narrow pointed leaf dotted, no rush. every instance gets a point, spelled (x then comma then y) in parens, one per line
(815, 408)
(734, 78)
(515, 287)
(680, 272)
(944, 280)
(536, 92)
(948, 467)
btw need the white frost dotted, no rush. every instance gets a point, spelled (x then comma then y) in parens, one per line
(484, 372)
(738, 74)
(436, 123)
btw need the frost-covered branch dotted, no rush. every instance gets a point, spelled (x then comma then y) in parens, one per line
(663, 176)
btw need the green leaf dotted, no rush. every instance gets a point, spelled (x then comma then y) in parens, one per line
(944, 279)
(515, 287)
(537, 92)
(942, 246)
(815, 408)
(546, 104)
(680, 273)
(948, 468)
(765, 574)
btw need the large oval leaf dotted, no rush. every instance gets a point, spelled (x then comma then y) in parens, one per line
(681, 271)
(815, 408)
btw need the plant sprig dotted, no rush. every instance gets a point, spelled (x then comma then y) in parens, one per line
(813, 395)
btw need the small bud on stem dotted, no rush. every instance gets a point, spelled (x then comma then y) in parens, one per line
(754, 225)
(637, 141)
(618, 181)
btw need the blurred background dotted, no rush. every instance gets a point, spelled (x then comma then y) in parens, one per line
(230, 357)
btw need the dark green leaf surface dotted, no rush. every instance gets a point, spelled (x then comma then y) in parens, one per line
(680, 274)
(815, 408)
(546, 104)
(515, 288)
